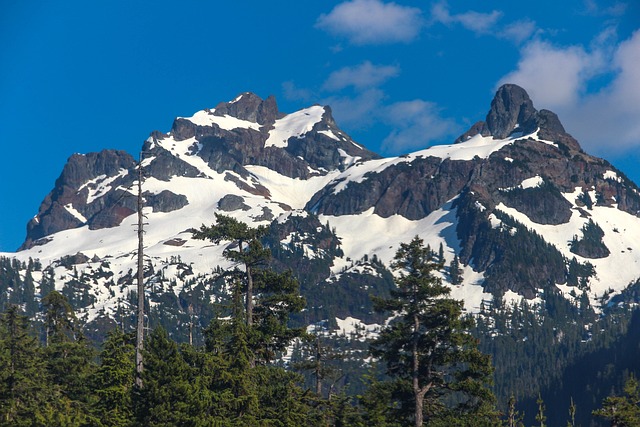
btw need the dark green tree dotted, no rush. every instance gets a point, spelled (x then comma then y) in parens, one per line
(165, 399)
(428, 345)
(70, 359)
(269, 297)
(540, 416)
(113, 381)
(622, 411)
(246, 251)
(25, 395)
(455, 272)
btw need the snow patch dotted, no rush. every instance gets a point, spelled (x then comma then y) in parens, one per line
(101, 185)
(226, 122)
(73, 211)
(330, 134)
(294, 125)
(612, 176)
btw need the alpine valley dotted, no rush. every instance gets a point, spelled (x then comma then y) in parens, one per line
(540, 239)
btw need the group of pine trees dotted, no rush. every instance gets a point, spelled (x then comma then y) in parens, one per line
(432, 372)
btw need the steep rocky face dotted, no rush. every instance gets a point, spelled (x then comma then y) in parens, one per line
(82, 195)
(410, 189)
(249, 106)
(320, 148)
(512, 111)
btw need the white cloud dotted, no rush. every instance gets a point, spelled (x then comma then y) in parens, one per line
(372, 22)
(416, 124)
(478, 22)
(605, 121)
(553, 76)
(591, 7)
(357, 111)
(519, 31)
(362, 76)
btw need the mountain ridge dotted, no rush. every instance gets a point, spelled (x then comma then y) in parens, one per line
(508, 179)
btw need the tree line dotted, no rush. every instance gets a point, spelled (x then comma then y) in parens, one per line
(431, 371)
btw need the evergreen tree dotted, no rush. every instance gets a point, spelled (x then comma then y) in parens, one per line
(166, 396)
(540, 416)
(623, 411)
(69, 359)
(428, 345)
(249, 252)
(269, 297)
(455, 272)
(514, 418)
(24, 387)
(113, 381)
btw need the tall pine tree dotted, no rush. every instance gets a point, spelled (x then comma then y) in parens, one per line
(428, 347)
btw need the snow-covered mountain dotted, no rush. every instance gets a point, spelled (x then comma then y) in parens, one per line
(515, 199)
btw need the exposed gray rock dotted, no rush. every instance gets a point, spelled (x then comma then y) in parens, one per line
(510, 107)
(165, 201)
(251, 107)
(231, 202)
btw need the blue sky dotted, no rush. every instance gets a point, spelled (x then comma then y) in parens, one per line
(78, 76)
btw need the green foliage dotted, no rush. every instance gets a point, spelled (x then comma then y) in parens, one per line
(622, 411)
(591, 244)
(455, 272)
(269, 297)
(113, 380)
(428, 346)
(23, 377)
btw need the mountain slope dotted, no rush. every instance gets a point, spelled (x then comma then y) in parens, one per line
(525, 209)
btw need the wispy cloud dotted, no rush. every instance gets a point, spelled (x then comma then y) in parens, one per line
(477, 22)
(356, 111)
(519, 31)
(416, 124)
(557, 77)
(591, 7)
(484, 23)
(358, 101)
(553, 76)
(365, 22)
(294, 93)
(362, 76)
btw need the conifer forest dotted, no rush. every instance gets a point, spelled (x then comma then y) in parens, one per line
(253, 364)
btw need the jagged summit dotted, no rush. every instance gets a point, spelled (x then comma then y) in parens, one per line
(522, 208)
(250, 107)
(512, 111)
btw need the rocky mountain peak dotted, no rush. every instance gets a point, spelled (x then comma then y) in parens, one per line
(250, 107)
(512, 111)
(511, 107)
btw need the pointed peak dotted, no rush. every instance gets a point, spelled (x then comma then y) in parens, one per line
(511, 108)
(250, 107)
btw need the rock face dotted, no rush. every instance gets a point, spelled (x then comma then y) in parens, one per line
(83, 195)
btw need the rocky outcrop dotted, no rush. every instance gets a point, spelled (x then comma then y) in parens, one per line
(76, 197)
(250, 107)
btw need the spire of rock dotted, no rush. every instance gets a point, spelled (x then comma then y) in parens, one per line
(249, 106)
(512, 111)
(511, 107)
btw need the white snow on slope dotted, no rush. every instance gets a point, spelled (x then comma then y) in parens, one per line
(73, 211)
(226, 122)
(622, 238)
(100, 185)
(352, 327)
(477, 145)
(532, 182)
(294, 125)
(369, 234)
(330, 134)
(612, 175)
